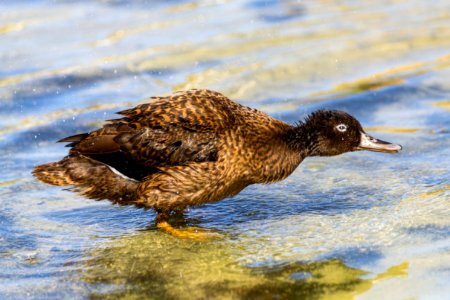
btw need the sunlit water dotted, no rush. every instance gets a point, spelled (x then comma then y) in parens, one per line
(363, 225)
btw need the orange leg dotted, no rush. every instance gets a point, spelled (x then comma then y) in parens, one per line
(195, 233)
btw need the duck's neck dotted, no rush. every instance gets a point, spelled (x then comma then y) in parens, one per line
(303, 139)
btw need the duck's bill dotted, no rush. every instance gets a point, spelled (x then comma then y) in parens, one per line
(373, 144)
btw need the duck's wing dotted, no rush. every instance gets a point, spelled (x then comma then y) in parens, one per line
(197, 110)
(168, 131)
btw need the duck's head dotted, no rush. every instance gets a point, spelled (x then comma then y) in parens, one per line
(332, 132)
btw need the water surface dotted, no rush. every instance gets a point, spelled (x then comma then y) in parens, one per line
(365, 225)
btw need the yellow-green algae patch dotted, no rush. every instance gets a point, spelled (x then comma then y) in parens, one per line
(12, 27)
(156, 265)
(50, 117)
(435, 192)
(443, 104)
(386, 129)
(9, 182)
(120, 34)
(369, 84)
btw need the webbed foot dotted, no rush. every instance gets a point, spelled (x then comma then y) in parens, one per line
(195, 233)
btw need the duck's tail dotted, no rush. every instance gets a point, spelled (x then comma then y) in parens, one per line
(90, 178)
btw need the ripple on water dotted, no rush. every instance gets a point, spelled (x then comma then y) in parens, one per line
(362, 224)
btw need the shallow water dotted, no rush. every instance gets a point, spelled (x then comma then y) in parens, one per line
(364, 225)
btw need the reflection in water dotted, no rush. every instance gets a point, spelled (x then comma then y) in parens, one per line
(156, 265)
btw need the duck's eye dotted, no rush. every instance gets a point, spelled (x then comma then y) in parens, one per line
(341, 127)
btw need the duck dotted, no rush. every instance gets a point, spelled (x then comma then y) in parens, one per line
(195, 147)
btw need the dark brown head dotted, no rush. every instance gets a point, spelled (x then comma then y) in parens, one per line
(332, 132)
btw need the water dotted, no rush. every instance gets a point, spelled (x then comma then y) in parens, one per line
(362, 224)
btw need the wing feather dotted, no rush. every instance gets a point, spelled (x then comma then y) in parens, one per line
(168, 131)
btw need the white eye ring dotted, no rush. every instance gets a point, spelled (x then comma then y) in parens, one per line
(341, 127)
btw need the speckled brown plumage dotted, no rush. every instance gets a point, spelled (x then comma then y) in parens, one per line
(191, 148)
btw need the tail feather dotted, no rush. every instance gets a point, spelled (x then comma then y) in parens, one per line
(90, 178)
(54, 173)
(74, 139)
